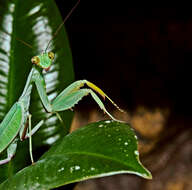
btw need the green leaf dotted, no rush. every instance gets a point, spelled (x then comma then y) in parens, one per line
(96, 150)
(34, 23)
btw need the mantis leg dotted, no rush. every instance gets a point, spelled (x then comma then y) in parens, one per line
(74, 87)
(30, 140)
(69, 100)
(40, 84)
(29, 135)
(71, 96)
(11, 150)
(35, 129)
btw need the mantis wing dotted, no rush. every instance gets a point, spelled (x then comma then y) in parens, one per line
(10, 126)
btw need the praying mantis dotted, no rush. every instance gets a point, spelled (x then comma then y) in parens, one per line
(16, 125)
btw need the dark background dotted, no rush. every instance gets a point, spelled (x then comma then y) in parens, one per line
(140, 56)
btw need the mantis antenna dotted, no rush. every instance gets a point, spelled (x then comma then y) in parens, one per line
(20, 40)
(25, 43)
(59, 27)
(56, 32)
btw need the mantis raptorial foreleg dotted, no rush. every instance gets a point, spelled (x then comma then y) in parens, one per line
(41, 88)
(76, 86)
(71, 96)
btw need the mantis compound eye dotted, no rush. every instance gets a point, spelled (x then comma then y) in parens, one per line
(35, 60)
(51, 55)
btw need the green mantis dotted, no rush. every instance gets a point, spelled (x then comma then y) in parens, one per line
(16, 125)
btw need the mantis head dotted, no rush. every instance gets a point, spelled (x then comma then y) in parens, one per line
(44, 60)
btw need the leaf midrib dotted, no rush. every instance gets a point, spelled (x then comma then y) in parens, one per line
(90, 154)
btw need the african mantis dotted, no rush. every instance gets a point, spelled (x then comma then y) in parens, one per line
(16, 125)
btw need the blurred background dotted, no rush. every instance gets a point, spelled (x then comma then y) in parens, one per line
(141, 57)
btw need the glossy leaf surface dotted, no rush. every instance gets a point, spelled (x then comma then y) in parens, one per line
(96, 150)
(32, 22)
